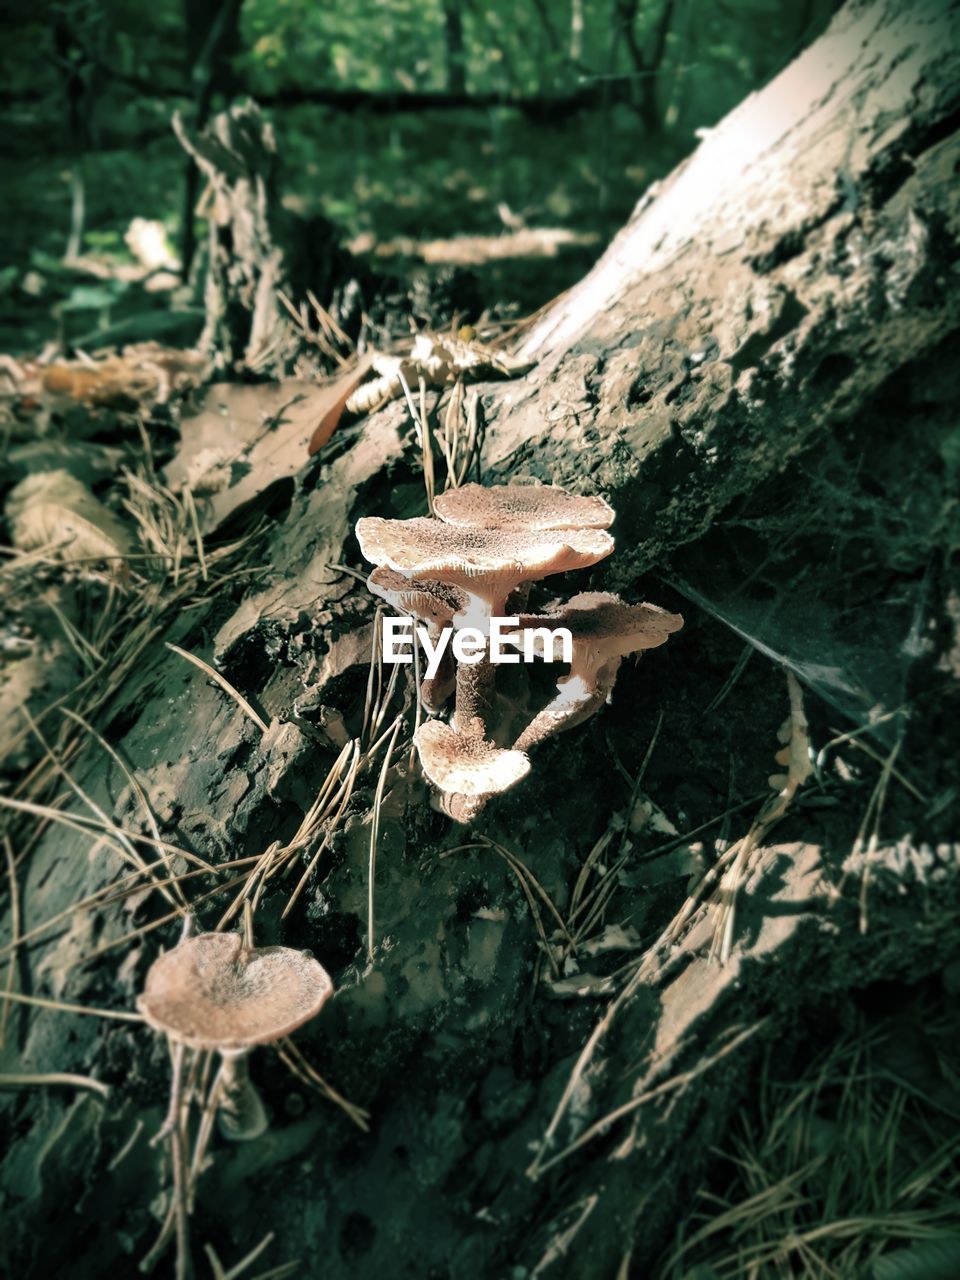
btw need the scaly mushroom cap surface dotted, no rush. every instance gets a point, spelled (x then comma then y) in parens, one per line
(516, 507)
(433, 602)
(436, 604)
(477, 558)
(210, 992)
(463, 763)
(602, 623)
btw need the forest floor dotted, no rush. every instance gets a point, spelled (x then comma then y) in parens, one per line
(404, 1122)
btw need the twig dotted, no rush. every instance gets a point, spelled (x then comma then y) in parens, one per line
(346, 792)
(19, 1080)
(131, 853)
(291, 1056)
(15, 935)
(375, 831)
(224, 684)
(109, 894)
(374, 673)
(667, 1086)
(236, 1271)
(172, 1129)
(384, 704)
(896, 773)
(160, 921)
(281, 1272)
(191, 507)
(528, 883)
(61, 1006)
(80, 822)
(137, 790)
(645, 971)
(127, 1147)
(877, 803)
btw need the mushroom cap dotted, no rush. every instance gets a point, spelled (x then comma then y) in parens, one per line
(602, 624)
(477, 558)
(521, 506)
(464, 763)
(211, 992)
(433, 602)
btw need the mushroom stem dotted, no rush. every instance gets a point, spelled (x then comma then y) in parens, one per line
(434, 692)
(241, 1116)
(475, 693)
(184, 1263)
(476, 681)
(459, 807)
(578, 697)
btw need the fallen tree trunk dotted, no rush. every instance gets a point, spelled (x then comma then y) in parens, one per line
(786, 296)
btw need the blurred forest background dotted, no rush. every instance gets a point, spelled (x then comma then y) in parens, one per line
(402, 121)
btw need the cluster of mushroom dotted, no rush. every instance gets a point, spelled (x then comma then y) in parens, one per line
(475, 561)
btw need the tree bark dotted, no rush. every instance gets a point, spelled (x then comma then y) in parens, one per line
(257, 253)
(245, 269)
(647, 65)
(788, 287)
(456, 55)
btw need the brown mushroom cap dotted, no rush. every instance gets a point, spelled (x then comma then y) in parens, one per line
(436, 604)
(432, 602)
(515, 507)
(485, 561)
(463, 763)
(210, 992)
(604, 631)
(602, 624)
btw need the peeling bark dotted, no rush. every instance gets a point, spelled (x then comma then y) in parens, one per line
(255, 251)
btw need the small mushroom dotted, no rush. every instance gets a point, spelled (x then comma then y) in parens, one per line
(465, 768)
(520, 507)
(604, 630)
(212, 992)
(435, 604)
(487, 565)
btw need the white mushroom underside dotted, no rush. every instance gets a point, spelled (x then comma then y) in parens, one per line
(463, 764)
(424, 548)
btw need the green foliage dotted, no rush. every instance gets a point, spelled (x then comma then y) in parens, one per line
(89, 87)
(849, 1170)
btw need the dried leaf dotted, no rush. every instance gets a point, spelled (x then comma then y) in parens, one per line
(337, 394)
(53, 509)
(439, 361)
(244, 438)
(34, 678)
(145, 374)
